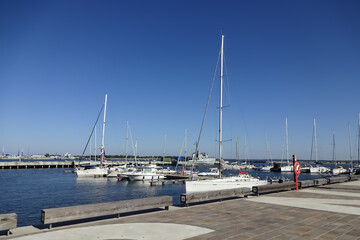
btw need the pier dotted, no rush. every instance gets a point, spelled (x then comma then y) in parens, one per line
(37, 164)
(330, 210)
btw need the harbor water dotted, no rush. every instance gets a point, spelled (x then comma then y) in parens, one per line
(27, 191)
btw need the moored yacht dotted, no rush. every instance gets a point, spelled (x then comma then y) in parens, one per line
(222, 183)
(145, 173)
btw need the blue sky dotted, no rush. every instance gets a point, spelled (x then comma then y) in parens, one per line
(156, 59)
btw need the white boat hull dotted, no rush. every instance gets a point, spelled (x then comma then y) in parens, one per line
(91, 172)
(223, 183)
(319, 170)
(339, 170)
(287, 168)
(266, 168)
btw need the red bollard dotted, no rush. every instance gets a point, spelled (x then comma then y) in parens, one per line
(297, 170)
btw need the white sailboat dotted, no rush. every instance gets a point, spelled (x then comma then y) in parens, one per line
(269, 163)
(145, 173)
(317, 168)
(242, 180)
(289, 167)
(92, 171)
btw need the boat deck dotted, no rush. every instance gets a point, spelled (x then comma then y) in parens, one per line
(325, 212)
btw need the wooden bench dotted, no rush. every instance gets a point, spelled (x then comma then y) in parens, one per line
(8, 221)
(339, 179)
(188, 198)
(306, 183)
(321, 181)
(63, 214)
(275, 187)
(354, 177)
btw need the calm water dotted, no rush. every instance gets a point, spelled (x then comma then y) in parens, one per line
(27, 191)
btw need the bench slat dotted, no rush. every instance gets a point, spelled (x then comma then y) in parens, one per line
(55, 215)
(273, 187)
(213, 195)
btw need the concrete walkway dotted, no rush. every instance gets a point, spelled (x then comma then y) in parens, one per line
(326, 212)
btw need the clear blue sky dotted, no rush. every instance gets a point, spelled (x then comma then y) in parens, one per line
(156, 59)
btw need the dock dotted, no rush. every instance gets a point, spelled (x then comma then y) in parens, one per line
(330, 211)
(37, 164)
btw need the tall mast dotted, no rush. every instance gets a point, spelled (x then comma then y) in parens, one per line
(185, 144)
(164, 149)
(315, 139)
(351, 163)
(359, 141)
(221, 93)
(238, 149)
(127, 138)
(287, 141)
(334, 153)
(103, 134)
(95, 145)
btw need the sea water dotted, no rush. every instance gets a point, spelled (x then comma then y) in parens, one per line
(27, 191)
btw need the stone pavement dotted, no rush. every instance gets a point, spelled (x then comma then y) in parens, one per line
(326, 212)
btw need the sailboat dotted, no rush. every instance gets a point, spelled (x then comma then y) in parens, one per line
(317, 168)
(222, 183)
(357, 167)
(269, 164)
(93, 171)
(337, 169)
(289, 167)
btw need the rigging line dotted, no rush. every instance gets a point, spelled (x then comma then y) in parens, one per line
(92, 130)
(207, 105)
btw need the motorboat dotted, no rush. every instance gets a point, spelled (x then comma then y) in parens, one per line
(319, 169)
(338, 170)
(212, 172)
(145, 173)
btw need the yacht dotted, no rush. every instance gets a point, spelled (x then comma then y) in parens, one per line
(212, 172)
(145, 173)
(223, 183)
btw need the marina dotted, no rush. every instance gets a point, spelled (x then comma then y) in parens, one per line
(278, 213)
(29, 190)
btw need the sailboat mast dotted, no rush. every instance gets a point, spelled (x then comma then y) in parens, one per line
(351, 163)
(359, 141)
(334, 154)
(238, 149)
(221, 102)
(103, 134)
(287, 141)
(315, 138)
(127, 138)
(95, 145)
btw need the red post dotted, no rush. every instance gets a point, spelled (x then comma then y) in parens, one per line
(297, 170)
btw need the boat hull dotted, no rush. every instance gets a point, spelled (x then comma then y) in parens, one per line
(91, 172)
(222, 184)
